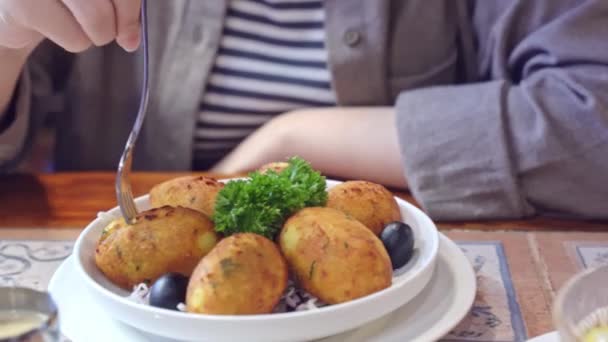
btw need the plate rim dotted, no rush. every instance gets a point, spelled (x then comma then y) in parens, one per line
(469, 280)
(452, 317)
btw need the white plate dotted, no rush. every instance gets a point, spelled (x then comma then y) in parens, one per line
(431, 315)
(548, 337)
(292, 326)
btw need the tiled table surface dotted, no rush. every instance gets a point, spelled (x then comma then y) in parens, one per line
(518, 273)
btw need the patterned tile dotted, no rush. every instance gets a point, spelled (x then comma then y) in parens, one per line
(591, 255)
(564, 254)
(529, 282)
(559, 256)
(496, 315)
(29, 263)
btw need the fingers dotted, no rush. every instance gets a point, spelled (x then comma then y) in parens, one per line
(54, 21)
(128, 26)
(76, 24)
(13, 35)
(96, 17)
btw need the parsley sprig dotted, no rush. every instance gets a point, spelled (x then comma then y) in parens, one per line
(263, 202)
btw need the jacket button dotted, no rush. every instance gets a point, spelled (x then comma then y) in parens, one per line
(352, 37)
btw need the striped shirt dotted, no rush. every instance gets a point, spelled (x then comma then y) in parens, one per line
(271, 60)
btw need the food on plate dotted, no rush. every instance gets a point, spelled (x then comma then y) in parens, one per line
(333, 256)
(194, 192)
(275, 166)
(112, 227)
(398, 239)
(370, 203)
(169, 290)
(244, 274)
(340, 244)
(261, 204)
(162, 240)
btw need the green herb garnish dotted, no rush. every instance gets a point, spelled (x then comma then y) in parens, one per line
(261, 204)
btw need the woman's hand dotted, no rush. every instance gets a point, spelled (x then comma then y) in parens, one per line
(75, 25)
(351, 143)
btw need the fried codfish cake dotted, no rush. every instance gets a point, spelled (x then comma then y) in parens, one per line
(275, 166)
(194, 192)
(244, 274)
(334, 257)
(372, 204)
(162, 240)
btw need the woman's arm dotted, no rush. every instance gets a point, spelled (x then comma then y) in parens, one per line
(350, 143)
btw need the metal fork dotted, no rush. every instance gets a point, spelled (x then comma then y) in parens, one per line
(124, 194)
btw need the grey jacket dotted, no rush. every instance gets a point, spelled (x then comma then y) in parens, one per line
(502, 105)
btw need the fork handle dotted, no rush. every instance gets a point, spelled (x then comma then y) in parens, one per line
(124, 195)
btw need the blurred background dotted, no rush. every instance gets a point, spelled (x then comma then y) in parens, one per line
(40, 157)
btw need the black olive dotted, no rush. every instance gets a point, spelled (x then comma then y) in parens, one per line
(398, 239)
(168, 291)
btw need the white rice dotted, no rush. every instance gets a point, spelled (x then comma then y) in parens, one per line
(140, 294)
(294, 299)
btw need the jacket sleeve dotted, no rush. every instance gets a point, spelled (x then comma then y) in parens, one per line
(13, 137)
(533, 137)
(39, 93)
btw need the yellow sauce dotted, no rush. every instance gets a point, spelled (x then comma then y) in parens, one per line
(594, 327)
(597, 334)
(15, 323)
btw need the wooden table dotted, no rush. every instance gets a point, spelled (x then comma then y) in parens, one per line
(532, 258)
(70, 200)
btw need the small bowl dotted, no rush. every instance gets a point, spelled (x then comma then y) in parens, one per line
(17, 301)
(291, 326)
(581, 303)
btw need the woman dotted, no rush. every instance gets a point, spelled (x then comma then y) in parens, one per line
(484, 109)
